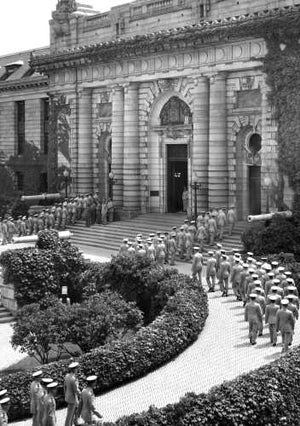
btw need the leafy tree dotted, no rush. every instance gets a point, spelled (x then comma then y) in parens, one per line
(38, 332)
(47, 328)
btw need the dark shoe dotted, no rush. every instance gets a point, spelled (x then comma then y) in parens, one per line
(260, 334)
(253, 343)
(274, 344)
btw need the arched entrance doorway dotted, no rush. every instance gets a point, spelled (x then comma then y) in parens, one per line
(248, 172)
(254, 145)
(169, 142)
(173, 117)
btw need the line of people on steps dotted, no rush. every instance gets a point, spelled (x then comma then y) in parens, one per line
(178, 243)
(86, 207)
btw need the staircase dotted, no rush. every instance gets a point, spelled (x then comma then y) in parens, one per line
(110, 236)
(5, 315)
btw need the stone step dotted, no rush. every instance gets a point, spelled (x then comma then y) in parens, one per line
(111, 235)
(5, 315)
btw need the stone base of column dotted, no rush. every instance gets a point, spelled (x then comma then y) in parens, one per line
(125, 214)
(218, 196)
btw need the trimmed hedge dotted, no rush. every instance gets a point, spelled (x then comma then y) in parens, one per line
(37, 273)
(177, 326)
(267, 396)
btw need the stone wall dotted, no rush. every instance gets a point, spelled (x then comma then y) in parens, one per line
(8, 297)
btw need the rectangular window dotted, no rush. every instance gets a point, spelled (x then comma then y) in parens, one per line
(20, 127)
(45, 126)
(20, 181)
(43, 182)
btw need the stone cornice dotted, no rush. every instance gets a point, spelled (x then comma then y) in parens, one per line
(267, 22)
(21, 84)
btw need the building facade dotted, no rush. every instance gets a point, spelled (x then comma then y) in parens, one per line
(152, 97)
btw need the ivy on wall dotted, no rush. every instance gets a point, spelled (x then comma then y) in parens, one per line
(58, 137)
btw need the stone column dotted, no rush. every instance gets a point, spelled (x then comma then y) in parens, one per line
(117, 135)
(218, 162)
(85, 143)
(131, 170)
(200, 147)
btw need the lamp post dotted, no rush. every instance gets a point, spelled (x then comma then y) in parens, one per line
(66, 175)
(267, 183)
(195, 186)
(112, 182)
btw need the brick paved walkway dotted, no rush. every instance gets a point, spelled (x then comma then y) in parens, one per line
(221, 352)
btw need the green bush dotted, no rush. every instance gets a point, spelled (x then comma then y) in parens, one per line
(276, 236)
(41, 331)
(177, 326)
(267, 396)
(38, 273)
(138, 280)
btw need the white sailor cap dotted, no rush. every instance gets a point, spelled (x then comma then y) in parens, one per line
(91, 378)
(3, 392)
(284, 302)
(52, 385)
(73, 365)
(37, 373)
(47, 380)
(4, 400)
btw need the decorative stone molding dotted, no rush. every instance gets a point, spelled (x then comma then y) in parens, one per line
(61, 17)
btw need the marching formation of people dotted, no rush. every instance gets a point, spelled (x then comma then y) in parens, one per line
(80, 402)
(182, 242)
(267, 291)
(88, 207)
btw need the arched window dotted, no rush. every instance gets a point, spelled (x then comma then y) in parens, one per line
(175, 112)
(255, 143)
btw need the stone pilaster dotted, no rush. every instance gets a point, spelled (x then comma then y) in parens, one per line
(218, 161)
(117, 133)
(85, 143)
(200, 148)
(131, 170)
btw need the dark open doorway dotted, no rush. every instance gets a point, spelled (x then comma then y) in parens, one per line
(177, 176)
(254, 190)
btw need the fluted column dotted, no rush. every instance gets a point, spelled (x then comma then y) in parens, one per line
(131, 189)
(200, 148)
(218, 162)
(85, 143)
(117, 134)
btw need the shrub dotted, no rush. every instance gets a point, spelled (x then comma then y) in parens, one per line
(138, 280)
(38, 273)
(38, 331)
(267, 396)
(276, 236)
(48, 240)
(41, 329)
(178, 325)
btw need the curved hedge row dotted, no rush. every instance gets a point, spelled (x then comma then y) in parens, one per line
(178, 325)
(267, 396)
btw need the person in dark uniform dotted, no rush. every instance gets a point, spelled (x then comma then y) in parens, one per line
(253, 315)
(72, 393)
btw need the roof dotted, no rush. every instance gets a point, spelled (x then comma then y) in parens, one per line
(15, 68)
(175, 38)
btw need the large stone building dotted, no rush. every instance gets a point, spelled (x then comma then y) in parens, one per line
(148, 98)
